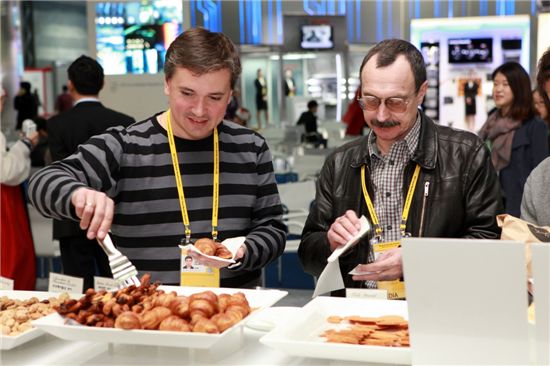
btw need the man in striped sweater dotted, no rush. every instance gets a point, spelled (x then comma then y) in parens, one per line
(125, 180)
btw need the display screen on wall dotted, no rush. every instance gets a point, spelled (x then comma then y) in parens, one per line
(316, 37)
(132, 37)
(470, 50)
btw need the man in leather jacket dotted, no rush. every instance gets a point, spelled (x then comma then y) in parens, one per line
(456, 193)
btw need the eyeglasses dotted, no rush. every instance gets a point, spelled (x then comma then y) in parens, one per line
(394, 104)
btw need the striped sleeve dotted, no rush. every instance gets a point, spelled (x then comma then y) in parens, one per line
(91, 166)
(266, 241)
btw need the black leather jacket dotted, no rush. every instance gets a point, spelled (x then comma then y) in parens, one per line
(457, 194)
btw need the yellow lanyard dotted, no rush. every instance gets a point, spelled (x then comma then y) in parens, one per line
(408, 201)
(179, 184)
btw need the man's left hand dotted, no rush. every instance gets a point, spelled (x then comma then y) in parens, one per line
(388, 267)
(209, 262)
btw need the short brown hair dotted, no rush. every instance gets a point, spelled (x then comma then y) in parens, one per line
(518, 79)
(388, 50)
(543, 74)
(202, 51)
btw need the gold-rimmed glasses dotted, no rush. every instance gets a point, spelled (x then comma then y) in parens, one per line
(394, 104)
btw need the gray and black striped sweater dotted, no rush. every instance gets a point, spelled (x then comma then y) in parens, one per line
(133, 166)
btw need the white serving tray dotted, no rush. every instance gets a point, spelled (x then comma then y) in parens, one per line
(56, 324)
(301, 335)
(9, 342)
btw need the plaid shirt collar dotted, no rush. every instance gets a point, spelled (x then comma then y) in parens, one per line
(411, 139)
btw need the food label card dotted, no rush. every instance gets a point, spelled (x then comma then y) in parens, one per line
(365, 293)
(105, 283)
(64, 283)
(6, 283)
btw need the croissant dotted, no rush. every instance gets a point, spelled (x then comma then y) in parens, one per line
(195, 316)
(204, 306)
(152, 318)
(180, 306)
(127, 320)
(241, 309)
(175, 323)
(226, 320)
(205, 326)
(206, 246)
(206, 295)
(222, 251)
(164, 299)
(223, 302)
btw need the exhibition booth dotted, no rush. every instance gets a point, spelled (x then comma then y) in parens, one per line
(461, 54)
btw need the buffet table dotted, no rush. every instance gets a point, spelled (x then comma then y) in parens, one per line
(49, 350)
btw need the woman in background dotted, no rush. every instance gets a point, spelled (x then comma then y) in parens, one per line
(541, 109)
(17, 249)
(517, 139)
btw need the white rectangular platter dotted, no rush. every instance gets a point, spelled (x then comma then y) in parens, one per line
(56, 325)
(300, 336)
(9, 342)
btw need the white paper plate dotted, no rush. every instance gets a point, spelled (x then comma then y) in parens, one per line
(267, 319)
(300, 337)
(9, 342)
(55, 324)
(231, 244)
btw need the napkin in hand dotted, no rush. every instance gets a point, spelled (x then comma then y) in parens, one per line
(331, 278)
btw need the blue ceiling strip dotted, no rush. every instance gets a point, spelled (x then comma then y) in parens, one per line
(357, 20)
(200, 9)
(341, 7)
(270, 21)
(331, 7)
(279, 22)
(248, 9)
(417, 8)
(350, 20)
(450, 10)
(193, 14)
(379, 23)
(241, 21)
(463, 8)
(389, 33)
(436, 8)
(483, 8)
(307, 8)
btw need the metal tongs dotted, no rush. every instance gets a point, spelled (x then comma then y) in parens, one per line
(124, 272)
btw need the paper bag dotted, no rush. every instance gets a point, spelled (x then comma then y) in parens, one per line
(520, 230)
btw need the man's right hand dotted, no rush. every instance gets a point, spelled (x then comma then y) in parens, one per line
(343, 229)
(95, 210)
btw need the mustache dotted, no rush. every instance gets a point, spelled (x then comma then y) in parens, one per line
(390, 123)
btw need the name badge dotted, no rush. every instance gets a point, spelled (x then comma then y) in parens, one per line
(64, 283)
(395, 289)
(197, 275)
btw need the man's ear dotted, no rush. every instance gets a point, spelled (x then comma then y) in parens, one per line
(421, 92)
(70, 87)
(230, 95)
(166, 87)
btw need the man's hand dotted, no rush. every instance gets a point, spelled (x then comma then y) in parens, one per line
(388, 267)
(95, 211)
(206, 261)
(343, 229)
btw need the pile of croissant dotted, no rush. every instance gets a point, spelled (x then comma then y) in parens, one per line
(146, 307)
(211, 247)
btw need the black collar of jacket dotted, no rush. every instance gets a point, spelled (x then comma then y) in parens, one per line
(426, 151)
